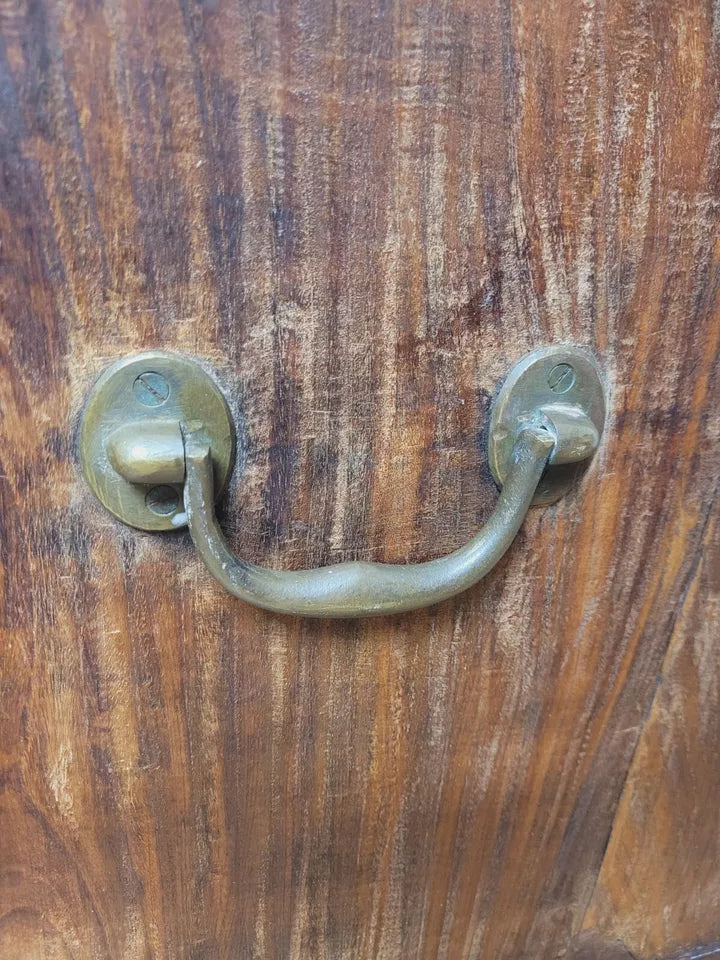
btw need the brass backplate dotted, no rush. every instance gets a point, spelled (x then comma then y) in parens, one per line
(548, 375)
(147, 387)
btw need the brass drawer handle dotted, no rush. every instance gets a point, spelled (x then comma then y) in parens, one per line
(157, 422)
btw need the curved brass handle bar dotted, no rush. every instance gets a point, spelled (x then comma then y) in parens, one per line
(360, 589)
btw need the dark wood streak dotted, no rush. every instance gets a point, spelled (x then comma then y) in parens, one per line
(360, 215)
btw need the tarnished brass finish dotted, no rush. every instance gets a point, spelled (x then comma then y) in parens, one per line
(153, 454)
(361, 589)
(560, 386)
(130, 436)
(549, 413)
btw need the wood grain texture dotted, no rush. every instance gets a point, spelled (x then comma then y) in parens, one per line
(360, 215)
(659, 886)
(588, 945)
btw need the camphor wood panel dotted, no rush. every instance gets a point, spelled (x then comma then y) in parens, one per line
(360, 214)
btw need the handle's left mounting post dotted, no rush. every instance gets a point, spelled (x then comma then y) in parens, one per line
(132, 421)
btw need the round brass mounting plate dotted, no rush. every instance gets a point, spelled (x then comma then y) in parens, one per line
(548, 375)
(146, 387)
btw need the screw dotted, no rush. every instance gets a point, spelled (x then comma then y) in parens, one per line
(561, 378)
(162, 500)
(151, 389)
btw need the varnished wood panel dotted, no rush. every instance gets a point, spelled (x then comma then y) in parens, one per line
(659, 886)
(360, 215)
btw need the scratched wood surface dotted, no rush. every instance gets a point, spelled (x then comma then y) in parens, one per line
(359, 214)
